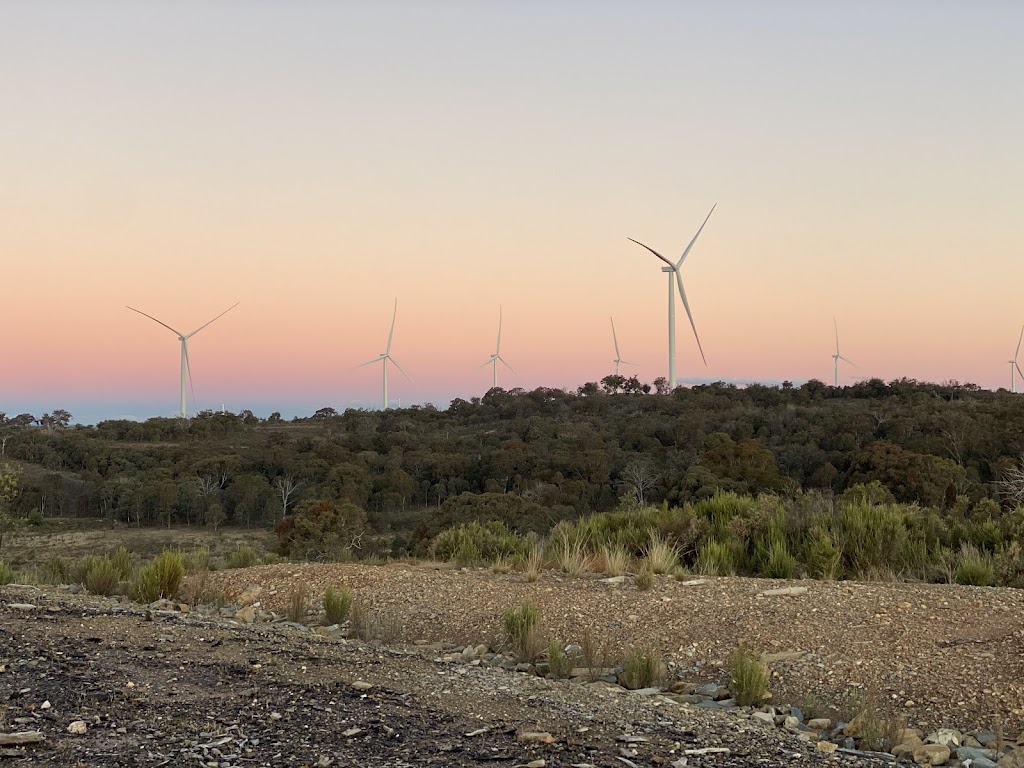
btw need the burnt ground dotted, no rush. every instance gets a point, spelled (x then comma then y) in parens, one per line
(161, 688)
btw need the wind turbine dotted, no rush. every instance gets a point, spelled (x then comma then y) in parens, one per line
(618, 357)
(674, 279)
(1014, 367)
(386, 356)
(496, 357)
(186, 371)
(837, 357)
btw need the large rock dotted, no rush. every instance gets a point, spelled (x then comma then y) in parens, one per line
(246, 614)
(249, 595)
(947, 737)
(1013, 759)
(931, 754)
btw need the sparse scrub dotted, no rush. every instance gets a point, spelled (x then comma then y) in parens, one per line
(748, 678)
(337, 605)
(877, 732)
(716, 559)
(560, 663)
(55, 571)
(161, 577)
(641, 668)
(644, 578)
(614, 560)
(372, 626)
(197, 560)
(122, 561)
(197, 591)
(523, 632)
(501, 564)
(298, 603)
(660, 555)
(569, 546)
(479, 544)
(243, 557)
(101, 575)
(595, 655)
(534, 563)
(974, 567)
(6, 574)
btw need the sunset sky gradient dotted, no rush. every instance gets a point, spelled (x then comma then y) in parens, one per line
(316, 160)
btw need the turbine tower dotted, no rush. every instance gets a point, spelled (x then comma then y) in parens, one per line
(837, 357)
(618, 357)
(674, 279)
(496, 357)
(186, 371)
(385, 357)
(1014, 367)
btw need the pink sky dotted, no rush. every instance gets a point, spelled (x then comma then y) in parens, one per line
(865, 160)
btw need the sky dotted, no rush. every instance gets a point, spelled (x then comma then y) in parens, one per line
(316, 161)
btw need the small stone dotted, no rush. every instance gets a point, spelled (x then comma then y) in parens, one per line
(351, 732)
(535, 737)
(764, 717)
(785, 592)
(78, 728)
(45, 705)
(931, 754)
(21, 606)
(947, 737)
(826, 746)
(819, 723)
(361, 685)
(275, 715)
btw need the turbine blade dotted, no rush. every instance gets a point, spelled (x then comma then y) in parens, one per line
(834, 323)
(188, 368)
(652, 251)
(165, 325)
(507, 365)
(686, 306)
(687, 251)
(498, 350)
(391, 333)
(371, 362)
(615, 338)
(845, 360)
(487, 363)
(1015, 354)
(218, 317)
(1018, 369)
(396, 366)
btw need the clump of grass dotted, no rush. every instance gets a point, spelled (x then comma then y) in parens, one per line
(501, 564)
(660, 555)
(101, 575)
(55, 571)
(716, 558)
(748, 678)
(560, 663)
(161, 577)
(778, 561)
(534, 563)
(641, 668)
(974, 567)
(197, 591)
(122, 561)
(595, 656)
(875, 731)
(337, 605)
(368, 625)
(522, 630)
(6, 574)
(243, 557)
(298, 603)
(198, 560)
(614, 560)
(572, 555)
(644, 577)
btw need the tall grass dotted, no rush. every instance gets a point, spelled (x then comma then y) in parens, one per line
(523, 632)
(161, 577)
(748, 678)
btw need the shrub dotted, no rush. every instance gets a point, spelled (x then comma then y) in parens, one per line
(569, 546)
(644, 578)
(161, 577)
(877, 732)
(560, 663)
(974, 567)
(595, 655)
(55, 571)
(198, 560)
(777, 562)
(6, 574)
(243, 557)
(534, 563)
(522, 632)
(749, 678)
(822, 557)
(641, 668)
(872, 536)
(501, 564)
(716, 558)
(336, 605)
(479, 544)
(322, 530)
(101, 576)
(370, 626)
(614, 560)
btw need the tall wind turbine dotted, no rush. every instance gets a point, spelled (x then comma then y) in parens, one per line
(386, 356)
(496, 357)
(1014, 367)
(618, 357)
(674, 279)
(837, 357)
(186, 371)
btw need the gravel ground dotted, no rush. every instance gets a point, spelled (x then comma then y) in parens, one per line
(936, 655)
(104, 682)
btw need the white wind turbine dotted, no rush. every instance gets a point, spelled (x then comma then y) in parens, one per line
(618, 357)
(186, 370)
(837, 357)
(496, 357)
(386, 356)
(1014, 367)
(674, 279)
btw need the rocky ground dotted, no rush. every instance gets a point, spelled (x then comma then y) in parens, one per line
(102, 681)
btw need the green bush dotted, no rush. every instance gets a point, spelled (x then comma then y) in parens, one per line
(101, 576)
(640, 669)
(123, 562)
(644, 578)
(822, 557)
(522, 630)
(480, 544)
(6, 574)
(337, 605)
(974, 567)
(161, 577)
(777, 561)
(749, 678)
(197, 560)
(716, 558)
(873, 536)
(560, 664)
(243, 557)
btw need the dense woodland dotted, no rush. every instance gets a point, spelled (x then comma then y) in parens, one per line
(528, 458)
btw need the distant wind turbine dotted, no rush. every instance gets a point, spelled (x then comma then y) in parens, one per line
(496, 357)
(386, 356)
(837, 357)
(674, 279)
(186, 370)
(618, 357)
(1014, 367)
